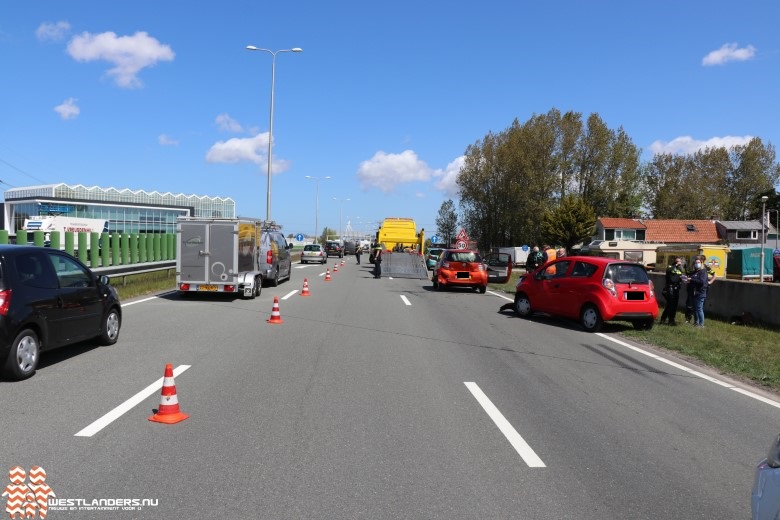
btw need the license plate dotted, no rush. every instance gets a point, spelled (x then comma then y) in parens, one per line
(207, 288)
(461, 274)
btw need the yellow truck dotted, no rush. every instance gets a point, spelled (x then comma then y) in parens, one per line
(400, 233)
(716, 256)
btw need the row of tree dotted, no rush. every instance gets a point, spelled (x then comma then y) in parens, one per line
(548, 179)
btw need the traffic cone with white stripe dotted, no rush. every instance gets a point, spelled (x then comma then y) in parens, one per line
(336, 267)
(342, 263)
(327, 275)
(275, 316)
(305, 291)
(168, 412)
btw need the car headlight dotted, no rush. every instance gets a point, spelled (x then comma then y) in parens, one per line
(773, 455)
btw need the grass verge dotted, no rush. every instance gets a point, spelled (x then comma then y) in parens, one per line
(751, 353)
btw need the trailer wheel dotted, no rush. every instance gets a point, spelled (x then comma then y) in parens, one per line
(258, 286)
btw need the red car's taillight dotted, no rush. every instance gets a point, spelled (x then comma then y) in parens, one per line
(652, 288)
(5, 301)
(610, 286)
(269, 257)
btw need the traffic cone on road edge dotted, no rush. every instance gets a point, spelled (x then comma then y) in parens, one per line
(342, 263)
(168, 412)
(275, 316)
(336, 267)
(305, 291)
(327, 275)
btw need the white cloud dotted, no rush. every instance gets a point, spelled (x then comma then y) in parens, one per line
(728, 52)
(447, 178)
(68, 109)
(128, 54)
(245, 149)
(687, 145)
(165, 140)
(225, 123)
(385, 171)
(53, 32)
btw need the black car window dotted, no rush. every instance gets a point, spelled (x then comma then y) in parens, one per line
(626, 273)
(560, 269)
(69, 272)
(34, 272)
(583, 270)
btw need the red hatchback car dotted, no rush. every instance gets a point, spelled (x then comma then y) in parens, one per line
(466, 268)
(590, 289)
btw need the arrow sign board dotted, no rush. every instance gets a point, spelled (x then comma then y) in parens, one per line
(460, 244)
(435, 239)
(299, 237)
(462, 236)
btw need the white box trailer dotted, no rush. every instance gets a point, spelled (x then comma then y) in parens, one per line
(519, 254)
(218, 256)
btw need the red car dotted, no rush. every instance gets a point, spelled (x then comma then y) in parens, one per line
(590, 289)
(466, 268)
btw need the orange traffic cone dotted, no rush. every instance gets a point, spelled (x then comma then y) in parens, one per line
(168, 412)
(336, 267)
(342, 263)
(275, 316)
(327, 275)
(305, 291)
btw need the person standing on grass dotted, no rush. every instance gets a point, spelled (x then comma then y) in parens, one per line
(671, 291)
(699, 282)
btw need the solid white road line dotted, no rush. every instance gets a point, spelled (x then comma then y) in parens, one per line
(711, 379)
(289, 294)
(406, 300)
(128, 405)
(514, 438)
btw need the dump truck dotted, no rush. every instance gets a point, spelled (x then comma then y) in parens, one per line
(229, 256)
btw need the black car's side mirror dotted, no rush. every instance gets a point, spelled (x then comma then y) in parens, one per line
(105, 280)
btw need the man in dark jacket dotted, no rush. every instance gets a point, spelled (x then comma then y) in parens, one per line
(671, 291)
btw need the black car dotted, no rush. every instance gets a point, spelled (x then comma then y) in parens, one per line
(333, 248)
(49, 299)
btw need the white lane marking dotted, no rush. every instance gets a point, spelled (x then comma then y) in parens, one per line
(406, 300)
(128, 405)
(514, 438)
(321, 274)
(289, 294)
(711, 379)
(141, 301)
(501, 296)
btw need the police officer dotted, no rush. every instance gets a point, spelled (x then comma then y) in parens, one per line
(671, 291)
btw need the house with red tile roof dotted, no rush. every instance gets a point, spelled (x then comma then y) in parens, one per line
(672, 231)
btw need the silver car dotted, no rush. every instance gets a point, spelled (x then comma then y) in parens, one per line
(765, 498)
(314, 253)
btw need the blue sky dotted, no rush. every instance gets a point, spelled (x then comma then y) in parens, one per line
(384, 99)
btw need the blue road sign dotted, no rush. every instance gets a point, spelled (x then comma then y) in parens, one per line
(525, 247)
(435, 239)
(299, 237)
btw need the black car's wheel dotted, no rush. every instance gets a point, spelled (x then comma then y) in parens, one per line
(275, 279)
(645, 324)
(258, 286)
(109, 332)
(23, 357)
(590, 318)
(482, 289)
(523, 305)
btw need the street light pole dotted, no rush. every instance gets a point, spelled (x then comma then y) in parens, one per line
(271, 122)
(341, 205)
(317, 204)
(763, 232)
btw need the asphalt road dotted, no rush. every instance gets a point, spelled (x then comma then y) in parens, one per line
(382, 399)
